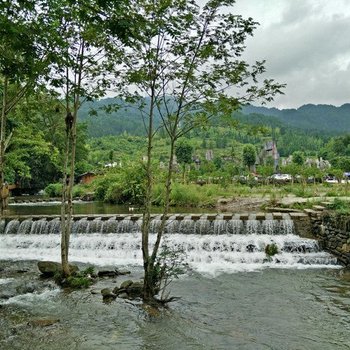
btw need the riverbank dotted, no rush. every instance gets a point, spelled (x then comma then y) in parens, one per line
(212, 198)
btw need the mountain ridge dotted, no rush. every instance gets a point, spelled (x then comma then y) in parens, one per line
(324, 118)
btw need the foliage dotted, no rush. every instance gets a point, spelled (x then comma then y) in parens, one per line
(53, 190)
(249, 155)
(183, 152)
(298, 157)
(340, 206)
(78, 280)
(182, 195)
(120, 186)
(271, 249)
(169, 265)
(79, 190)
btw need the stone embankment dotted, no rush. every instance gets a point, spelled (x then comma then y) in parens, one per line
(333, 232)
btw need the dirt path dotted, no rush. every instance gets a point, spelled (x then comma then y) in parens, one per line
(255, 203)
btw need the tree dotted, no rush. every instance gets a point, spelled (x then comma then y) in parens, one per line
(24, 47)
(183, 152)
(35, 154)
(79, 70)
(298, 158)
(249, 156)
(185, 59)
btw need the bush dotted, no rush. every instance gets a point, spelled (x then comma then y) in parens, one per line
(79, 190)
(340, 206)
(271, 249)
(77, 280)
(115, 193)
(182, 195)
(101, 185)
(54, 190)
(126, 185)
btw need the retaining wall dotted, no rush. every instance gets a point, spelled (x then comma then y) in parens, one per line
(332, 231)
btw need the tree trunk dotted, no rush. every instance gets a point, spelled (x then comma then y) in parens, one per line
(2, 147)
(148, 264)
(166, 200)
(64, 219)
(67, 195)
(68, 181)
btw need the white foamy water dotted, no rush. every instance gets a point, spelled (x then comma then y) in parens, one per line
(6, 280)
(32, 298)
(207, 254)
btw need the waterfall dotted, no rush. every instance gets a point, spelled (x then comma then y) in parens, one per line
(187, 225)
(211, 245)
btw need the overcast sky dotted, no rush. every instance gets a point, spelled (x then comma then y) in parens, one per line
(306, 44)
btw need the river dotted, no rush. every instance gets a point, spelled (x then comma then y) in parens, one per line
(231, 296)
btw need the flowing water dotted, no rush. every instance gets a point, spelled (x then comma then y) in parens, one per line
(232, 296)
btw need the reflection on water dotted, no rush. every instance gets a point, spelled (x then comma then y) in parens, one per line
(271, 309)
(80, 207)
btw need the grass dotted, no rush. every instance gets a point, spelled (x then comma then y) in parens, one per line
(194, 195)
(340, 206)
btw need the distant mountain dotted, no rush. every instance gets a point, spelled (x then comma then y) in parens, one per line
(325, 118)
(111, 116)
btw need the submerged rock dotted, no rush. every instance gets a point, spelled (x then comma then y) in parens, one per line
(107, 273)
(107, 295)
(50, 268)
(122, 272)
(129, 289)
(29, 287)
(44, 322)
(126, 284)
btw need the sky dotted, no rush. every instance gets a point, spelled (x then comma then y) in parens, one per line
(306, 44)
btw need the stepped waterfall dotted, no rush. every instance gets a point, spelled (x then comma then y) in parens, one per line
(210, 244)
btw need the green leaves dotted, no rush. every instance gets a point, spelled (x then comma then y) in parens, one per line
(183, 152)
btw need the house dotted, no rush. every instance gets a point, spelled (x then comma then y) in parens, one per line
(86, 178)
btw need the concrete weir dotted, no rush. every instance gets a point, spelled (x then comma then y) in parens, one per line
(275, 223)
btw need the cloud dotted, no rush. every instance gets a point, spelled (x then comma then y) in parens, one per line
(306, 45)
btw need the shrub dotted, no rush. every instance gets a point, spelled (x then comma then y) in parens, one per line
(115, 193)
(54, 190)
(187, 196)
(126, 185)
(101, 184)
(79, 190)
(77, 280)
(271, 249)
(340, 206)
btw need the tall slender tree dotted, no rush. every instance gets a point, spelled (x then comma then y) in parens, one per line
(184, 68)
(79, 71)
(76, 73)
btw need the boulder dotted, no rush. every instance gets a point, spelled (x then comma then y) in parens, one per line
(107, 273)
(107, 295)
(135, 289)
(50, 268)
(126, 284)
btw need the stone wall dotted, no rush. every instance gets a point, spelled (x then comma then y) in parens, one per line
(333, 233)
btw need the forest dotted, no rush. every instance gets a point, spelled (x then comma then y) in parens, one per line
(107, 136)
